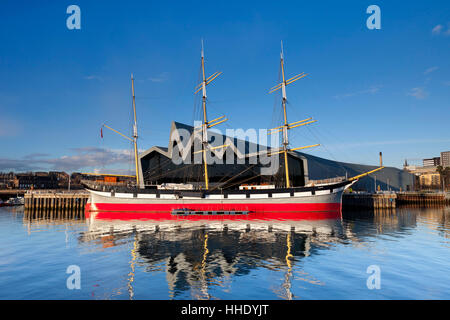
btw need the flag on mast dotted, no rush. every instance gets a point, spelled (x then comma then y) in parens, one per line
(101, 132)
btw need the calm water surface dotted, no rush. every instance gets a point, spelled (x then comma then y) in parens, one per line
(324, 259)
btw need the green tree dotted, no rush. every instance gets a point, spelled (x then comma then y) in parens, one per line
(444, 174)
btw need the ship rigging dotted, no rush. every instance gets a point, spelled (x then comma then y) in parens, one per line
(288, 201)
(288, 126)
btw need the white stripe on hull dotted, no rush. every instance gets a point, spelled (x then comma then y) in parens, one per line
(324, 196)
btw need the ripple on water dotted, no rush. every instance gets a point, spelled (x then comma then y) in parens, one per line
(322, 259)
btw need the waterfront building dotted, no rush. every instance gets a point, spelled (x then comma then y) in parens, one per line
(103, 179)
(7, 180)
(56, 180)
(445, 159)
(436, 161)
(155, 167)
(427, 177)
(61, 177)
(430, 181)
(37, 180)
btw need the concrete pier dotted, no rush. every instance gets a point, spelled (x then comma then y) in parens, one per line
(393, 200)
(422, 199)
(368, 200)
(58, 200)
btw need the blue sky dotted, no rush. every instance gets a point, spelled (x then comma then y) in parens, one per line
(371, 90)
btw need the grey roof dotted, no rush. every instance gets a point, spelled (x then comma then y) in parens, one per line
(234, 143)
(317, 168)
(320, 168)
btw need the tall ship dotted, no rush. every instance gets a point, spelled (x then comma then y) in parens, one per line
(211, 190)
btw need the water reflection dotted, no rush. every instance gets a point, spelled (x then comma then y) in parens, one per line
(397, 222)
(198, 255)
(201, 258)
(37, 220)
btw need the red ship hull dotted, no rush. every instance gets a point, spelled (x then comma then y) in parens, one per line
(287, 204)
(255, 211)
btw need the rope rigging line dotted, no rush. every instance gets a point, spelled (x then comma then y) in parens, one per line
(171, 171)
(245, 180)
(161, 166)
(196, 112)
(147, 174)
(290, 106)
(317, 140)
(131, 146)
(238, 174)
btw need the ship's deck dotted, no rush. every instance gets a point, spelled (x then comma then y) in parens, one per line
(203, 193)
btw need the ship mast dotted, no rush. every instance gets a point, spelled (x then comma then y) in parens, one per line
(286, 126)
(135, 135)
(205, 123)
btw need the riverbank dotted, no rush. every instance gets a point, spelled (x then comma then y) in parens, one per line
(393, 200)
(77, 199)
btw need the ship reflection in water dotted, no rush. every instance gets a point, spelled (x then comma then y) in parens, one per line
(200, 254)
(257, 259)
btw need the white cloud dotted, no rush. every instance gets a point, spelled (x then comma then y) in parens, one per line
(83, 158)
(430, 70)
(440, 29)
(371, 90)
(93, 77)
(17, 165)
(163, 77)
(418, 93)
(437, 29)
